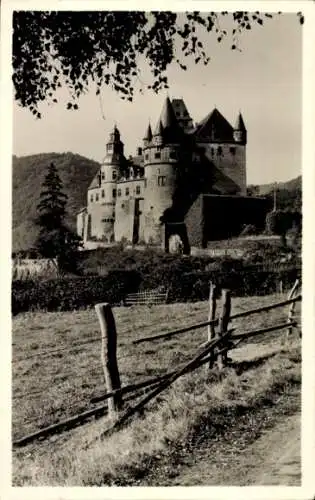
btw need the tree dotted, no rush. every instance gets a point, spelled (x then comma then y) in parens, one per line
(78, 49)
(55, 239)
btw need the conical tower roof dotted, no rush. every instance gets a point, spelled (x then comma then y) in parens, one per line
(159, 128)
(172, 131)
(148, 135)
(240, 125)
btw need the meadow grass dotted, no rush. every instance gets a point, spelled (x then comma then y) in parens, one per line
(52, 387)
(199, 403)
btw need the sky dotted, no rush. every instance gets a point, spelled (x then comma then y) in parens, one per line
(263, 80)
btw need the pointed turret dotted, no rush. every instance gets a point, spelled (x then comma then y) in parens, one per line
(158, 134)
(172, 131)
(148, 136)
(240, 133)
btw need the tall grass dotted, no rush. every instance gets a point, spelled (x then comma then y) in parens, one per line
(198, 402)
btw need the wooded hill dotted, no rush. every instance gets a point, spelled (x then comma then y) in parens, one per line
(76, 173)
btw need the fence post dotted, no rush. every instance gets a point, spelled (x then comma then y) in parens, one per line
(108, 355)
(291, 295)
(224, 322)
(211, 317)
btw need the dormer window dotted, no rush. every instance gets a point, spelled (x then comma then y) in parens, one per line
(114, 175)
(109, 147)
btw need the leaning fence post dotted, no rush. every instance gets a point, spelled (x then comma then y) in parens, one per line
(211, 317)
(108, 355)
(291, 295)
(224, 322)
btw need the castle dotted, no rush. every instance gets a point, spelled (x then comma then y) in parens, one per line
(186, 179)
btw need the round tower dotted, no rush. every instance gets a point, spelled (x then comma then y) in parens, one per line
(161, 157)
(103, 191)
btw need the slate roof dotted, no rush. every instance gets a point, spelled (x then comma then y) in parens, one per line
(215, 127)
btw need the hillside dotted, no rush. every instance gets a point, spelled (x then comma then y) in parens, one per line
(76, 173)
(292, 185)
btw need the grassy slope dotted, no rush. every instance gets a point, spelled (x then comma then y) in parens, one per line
(48, 388)
(76, 173)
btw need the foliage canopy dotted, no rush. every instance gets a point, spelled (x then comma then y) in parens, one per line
(80, 49)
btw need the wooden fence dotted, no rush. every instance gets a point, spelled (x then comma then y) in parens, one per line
(221, 339)
(147, 298)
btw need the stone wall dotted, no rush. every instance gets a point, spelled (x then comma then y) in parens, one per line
(128, 207)
(230, 159)
(194, 223)
(160, 186)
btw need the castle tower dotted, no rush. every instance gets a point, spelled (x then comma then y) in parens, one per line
(240, 133)
(103, 190)
(148, 136)
(161, 159)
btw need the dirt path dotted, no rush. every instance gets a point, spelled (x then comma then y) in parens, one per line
(279, 455)
(273, 459)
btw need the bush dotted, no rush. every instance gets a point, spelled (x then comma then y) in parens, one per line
(67, 294)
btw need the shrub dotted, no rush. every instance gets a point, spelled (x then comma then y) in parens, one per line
(67, 294)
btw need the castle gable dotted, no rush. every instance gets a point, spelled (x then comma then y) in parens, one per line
(214, 128)
(96, 180)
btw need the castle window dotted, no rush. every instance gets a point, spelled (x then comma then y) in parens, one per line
(122, 205)
(96, 197)
(103, 176)
(103, 193)
(91, 198)
(173, 155)
(114, 175)
(127, 191)
(219, 151)
(119, 192)
(157, 155)
(212, 151)
(109, 147)
(114, 193)
(138, 190)
(233, 150)
(161, 180)
(146, 156)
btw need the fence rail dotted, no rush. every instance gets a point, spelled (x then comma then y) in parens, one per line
(214, 350)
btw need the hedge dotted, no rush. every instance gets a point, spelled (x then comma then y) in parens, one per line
(195, 286)
(68, 294)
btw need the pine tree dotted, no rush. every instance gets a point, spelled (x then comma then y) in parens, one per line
(55, 239)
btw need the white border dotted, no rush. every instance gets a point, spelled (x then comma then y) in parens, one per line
(307, 490)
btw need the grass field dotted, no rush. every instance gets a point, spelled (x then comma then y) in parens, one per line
(50, 387)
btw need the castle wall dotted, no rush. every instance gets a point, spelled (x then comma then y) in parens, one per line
(81, 221)
(128, 207)
(160, 185)
(231, 160)
(194, 223)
